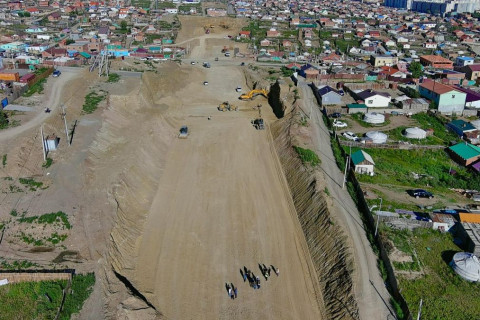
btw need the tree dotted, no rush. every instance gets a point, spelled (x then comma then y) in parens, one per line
(69, 41)
(416, 69)
(123, 25)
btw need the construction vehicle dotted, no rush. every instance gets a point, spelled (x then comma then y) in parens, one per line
(224, 25)
(252, 94)
(183, 132)
(258, 123)
(226, 106)
(225, 49)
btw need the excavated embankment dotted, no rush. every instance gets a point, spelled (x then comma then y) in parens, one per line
(325, 240)
(126, 160)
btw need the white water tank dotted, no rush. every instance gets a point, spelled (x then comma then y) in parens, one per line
(377, 136)
(466, 265)
(374, 118)
(415, 133)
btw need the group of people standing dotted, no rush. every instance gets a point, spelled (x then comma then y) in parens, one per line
(232, 290)
(253, 280)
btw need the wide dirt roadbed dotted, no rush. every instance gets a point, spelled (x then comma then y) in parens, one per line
(222, 204)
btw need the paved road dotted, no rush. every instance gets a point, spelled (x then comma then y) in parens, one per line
(370, 292)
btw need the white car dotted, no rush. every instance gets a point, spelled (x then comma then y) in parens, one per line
(192, 63)
(238, 89)
(143, 59)
(350, 136)
(205, 83)
(340, 124)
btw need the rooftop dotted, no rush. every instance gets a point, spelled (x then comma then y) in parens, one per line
(435, 59)
(465, 150)
(437, 87)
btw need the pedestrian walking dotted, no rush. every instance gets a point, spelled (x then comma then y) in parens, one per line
(258, 281)
(244, 277)
(235, 292)
(277, 272)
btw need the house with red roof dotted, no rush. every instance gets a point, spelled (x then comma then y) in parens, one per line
(244, 34)
(447, 99)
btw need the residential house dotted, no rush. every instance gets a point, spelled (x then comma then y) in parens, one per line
(383, 60)
(32, 10)
(464, 61)
(472, 71)
(172, 10)
(14, 47)
(464, 153)
(415, 105)
(273, 33)
(265, 43)
(436, 62)
(287, 43)
(54, 53)
(244, 34)
(374, 99)
(54, 17)
(43, 3)
(123, 13)
(447, 99)
(473, 97)
(463, 129)
(328, 96)
(37, 48)
(363, 162)
(430, 45)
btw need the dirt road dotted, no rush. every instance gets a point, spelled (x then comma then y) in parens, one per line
(370, 292)
(222, 204)
(54, 91)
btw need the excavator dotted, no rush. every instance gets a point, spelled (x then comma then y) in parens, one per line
(226, 106)
(252, 94)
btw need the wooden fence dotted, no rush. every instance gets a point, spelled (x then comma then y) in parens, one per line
(16, 276)
(402, 146)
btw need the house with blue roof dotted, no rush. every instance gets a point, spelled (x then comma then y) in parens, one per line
(461, 127)
(464, 61)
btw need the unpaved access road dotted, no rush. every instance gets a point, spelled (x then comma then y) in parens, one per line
(370, 292)
(54, 92)
(223, 203)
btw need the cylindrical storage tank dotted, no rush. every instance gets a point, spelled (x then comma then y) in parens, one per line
(377, 136)
(466, 265)
(415, 133)
(476, 124)
(374, 118)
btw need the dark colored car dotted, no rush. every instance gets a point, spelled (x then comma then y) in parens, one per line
(56, 73)
(420, 193)
(336, 115)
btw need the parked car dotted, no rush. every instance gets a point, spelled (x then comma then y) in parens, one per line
(205, 83)
(238, 89)
(420, 193)
(350, 135)
(339, 124)
(56, 73)
(216, 58)
(336, 115)
(143, 59)
(227, 54)
(476, 197)
(192, 63)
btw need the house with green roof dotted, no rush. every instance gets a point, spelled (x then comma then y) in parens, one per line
(363, 162)
(356, 108)
(464, 153)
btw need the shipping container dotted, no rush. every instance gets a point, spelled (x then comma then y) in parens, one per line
(9, 76)
(27, 78)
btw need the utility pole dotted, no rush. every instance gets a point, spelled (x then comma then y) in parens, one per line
(64, 116)
(420, 309)
(43, 144)
(376, 225)
(345, 174)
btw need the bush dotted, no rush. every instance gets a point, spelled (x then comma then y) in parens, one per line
(82, 287)
(307, 156)
(47, 163)
(92, 100)
(113, 77)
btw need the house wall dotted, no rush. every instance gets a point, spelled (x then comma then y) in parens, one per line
(377, 101)
(331, 98)
(452, 102)
(364, 169)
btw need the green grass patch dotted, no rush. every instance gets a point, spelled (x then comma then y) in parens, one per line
(92, 100)
(82, 287)
(395, 167)
(31, 183)
(14, 213)
(56, 238)
(48, 218)
(445, 295)
(307, 156)
(113, 77)
(397, 135)
(17, 265)
(36, 88)
(31, 300)
(47, 163)
(31, 240)
(4, 160)
(428, 121)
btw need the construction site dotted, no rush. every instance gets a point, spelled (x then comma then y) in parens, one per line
(172, 186)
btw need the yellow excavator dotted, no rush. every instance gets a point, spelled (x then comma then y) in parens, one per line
(226, 106)
(252, 94)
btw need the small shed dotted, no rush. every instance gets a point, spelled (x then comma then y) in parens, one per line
(363, 162)
(356, 108)
(51, 143)
(464, 153)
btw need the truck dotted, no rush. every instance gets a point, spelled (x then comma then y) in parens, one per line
(10, 76)
(183, 132)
